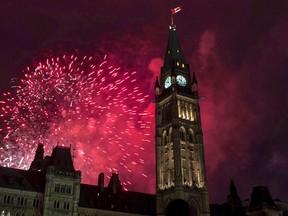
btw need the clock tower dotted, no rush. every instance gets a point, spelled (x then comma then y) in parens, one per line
(181, 184)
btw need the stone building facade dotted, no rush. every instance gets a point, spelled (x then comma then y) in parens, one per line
(52, 187)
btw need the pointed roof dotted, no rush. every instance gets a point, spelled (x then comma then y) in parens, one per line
(157, 85)
(194, 79)
(233, 196)
(173, 51)
(233, 190)
(38, 162)
(61, 159)
(261, 195)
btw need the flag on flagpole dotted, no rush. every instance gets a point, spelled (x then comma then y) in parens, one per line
(176, 9)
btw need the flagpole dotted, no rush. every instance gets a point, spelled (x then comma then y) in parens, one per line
(174, 11)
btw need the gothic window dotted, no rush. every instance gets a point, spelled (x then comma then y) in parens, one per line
(179, 108)
(191, 136)
(22, 201)
(183, 108)
(191, 113)
(182, 134)
(193, 211)
(187, 111)
(63, 187)
(68, 190)
(57, 187)
(8, 199)
(164, 138)
(170, 135)
(66, 205)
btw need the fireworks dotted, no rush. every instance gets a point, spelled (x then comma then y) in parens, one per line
(96, 107)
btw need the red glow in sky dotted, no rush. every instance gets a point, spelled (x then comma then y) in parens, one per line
(237, 50)
(98, 109)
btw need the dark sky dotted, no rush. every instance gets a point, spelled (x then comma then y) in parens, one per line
(237, 48)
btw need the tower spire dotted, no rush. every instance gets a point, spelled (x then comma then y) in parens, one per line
(174, 51)
(180, 162)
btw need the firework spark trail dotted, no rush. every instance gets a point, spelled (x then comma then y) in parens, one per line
(96, 107)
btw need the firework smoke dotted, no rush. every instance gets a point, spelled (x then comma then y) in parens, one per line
(93, 106)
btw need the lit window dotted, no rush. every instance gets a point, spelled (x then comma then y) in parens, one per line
(178, 64)
(183, 65)
(177, 51)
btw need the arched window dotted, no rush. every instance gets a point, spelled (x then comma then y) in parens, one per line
(63, 188)
(164, 138)
(57, 187)
(67, 206)
(191, 137)
(8, 199)
(170, 134)
(182, 134)
(22, 201)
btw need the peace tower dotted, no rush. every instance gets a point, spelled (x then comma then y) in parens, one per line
(181, 185)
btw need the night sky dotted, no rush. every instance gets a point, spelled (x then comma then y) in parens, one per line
(238, 50)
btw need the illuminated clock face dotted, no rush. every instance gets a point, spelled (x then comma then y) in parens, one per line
(168, 82)
(181, 80)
